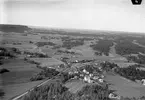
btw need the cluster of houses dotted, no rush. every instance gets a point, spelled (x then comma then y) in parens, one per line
(88, 77)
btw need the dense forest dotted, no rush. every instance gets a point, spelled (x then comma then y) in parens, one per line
(41, 44)
(139, 59)
(1, 93)
(131, 72)
(125, 47)
(108, 66)
(103, 46)
(55, 90)
(14, 28)
(8, 52)
(70, 43)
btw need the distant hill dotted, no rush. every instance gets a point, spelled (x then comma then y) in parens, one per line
(14, 28)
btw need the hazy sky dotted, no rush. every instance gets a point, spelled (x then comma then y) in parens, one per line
(116, 15)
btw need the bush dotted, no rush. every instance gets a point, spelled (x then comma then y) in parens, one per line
(65, 77)
(46, 73)
(3, 70)
(1, 93)
(70, 43)
(37, 77)
(41, 44)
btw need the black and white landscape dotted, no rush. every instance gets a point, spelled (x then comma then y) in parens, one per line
(64, 64)
(72, 50)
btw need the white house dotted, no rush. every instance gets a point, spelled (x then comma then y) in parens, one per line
(70, 72)
(114, 96)
(96, 63)
(85, 71)
(87, 79)
(90, 75)
(75, 72)
(96, 77)
(101, 80)
(102, 76)
(143, 81)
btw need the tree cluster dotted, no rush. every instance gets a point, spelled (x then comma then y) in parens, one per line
(3, 70)
(1, 93)
(70, 43)
(36, 54)
(8, 52)
(103, 46)
(108, 66)
(57, 91)
(14, 28)
(46, 73)
(140, 59)
(126, 47)
(41, 44)
(131, 73)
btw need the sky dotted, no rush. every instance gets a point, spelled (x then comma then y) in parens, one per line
(114, 15)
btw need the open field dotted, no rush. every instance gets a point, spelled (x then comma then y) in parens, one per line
(18, 79)
(20, 71)
(85, 50)
(124, 87)
(16, 89)
(44, 62)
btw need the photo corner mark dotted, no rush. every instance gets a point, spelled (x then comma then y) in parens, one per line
(136, 2)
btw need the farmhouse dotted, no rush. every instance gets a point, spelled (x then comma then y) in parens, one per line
(114, 96)
(87, 79)
(143, 81)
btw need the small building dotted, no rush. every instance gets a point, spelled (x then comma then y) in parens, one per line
(81, 75)
(114, 96)
(96, 77)
(85, 71)
(102, 76)
(75, 72)
(70, 72)
(90, 75)
(87, 79)
(96, 64)
(101, 80)
(143, 81)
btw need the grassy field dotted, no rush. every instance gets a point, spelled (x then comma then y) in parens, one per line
(20, 71)
(85, 50)
(18, 79)
(16, 89)
(44, 62)
(125, 87)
